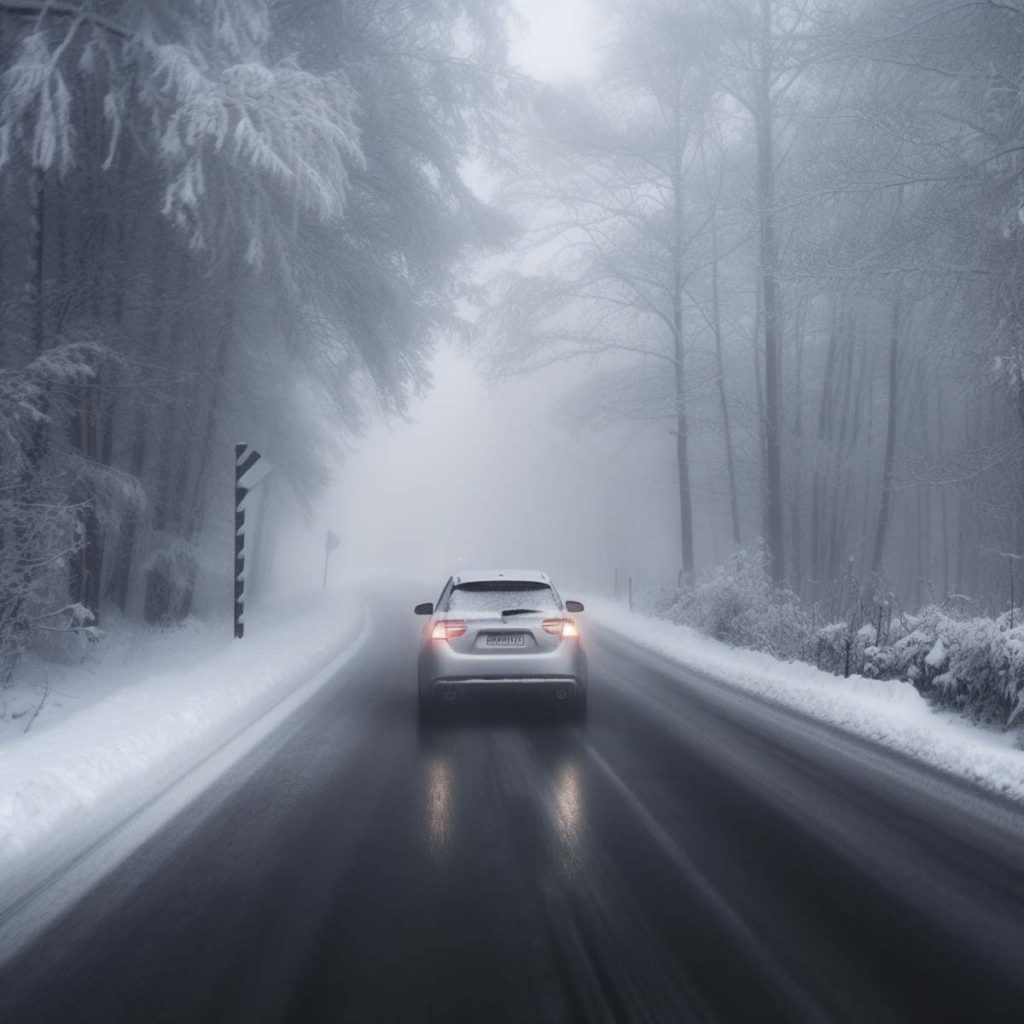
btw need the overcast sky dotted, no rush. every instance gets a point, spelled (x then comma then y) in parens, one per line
(558, 39)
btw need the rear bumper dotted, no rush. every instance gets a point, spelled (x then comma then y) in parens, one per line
(439, 665)
(567, 686)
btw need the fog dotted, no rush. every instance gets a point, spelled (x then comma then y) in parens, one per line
(650, 290)
(488, 468)
(484, 475)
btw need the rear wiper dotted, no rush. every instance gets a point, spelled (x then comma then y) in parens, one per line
(520, 611)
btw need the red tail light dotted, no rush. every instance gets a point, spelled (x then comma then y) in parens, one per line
(560, 627)
(448, 630)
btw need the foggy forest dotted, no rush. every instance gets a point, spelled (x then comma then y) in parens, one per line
(777, 241)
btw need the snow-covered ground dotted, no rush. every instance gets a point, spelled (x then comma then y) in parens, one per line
(139, 713)
(45, 690)
(892, 714)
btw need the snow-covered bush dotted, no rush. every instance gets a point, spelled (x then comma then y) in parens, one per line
(170, 572)
(972, 664)
(65, 635)
(736, 603)
(40, 515)
(39, 538)
(975, 665)
(840, 649)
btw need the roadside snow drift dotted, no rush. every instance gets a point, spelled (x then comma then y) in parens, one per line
(890, 713)
(82, 776)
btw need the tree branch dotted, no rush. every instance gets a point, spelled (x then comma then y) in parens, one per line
(30, 10)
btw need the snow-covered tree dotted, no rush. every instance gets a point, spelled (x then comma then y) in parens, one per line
(234, 218)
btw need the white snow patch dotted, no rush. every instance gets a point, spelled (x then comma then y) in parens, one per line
(68, 783)
(76, 674)
(891, 713)
(936, 657)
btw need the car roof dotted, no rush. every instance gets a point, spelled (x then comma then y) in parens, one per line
(492, 575)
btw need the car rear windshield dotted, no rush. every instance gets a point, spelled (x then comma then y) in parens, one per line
(500, 596)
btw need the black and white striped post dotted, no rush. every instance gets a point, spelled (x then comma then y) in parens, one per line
(250, 469)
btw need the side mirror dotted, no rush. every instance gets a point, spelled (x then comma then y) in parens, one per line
(424, 609)
(574, 606)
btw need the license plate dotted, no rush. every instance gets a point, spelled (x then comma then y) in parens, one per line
(506, 640)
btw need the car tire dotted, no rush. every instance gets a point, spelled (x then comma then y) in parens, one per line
(427, 710)
(578, 708)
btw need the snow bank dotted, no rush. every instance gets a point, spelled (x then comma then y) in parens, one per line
(84, 774)
(972, 664)
(65, 680)
(891, 713)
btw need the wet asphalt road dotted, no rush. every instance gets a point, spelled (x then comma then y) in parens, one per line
(689, 854)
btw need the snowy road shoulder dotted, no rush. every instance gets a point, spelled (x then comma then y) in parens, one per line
(892, 714)
(70, 785)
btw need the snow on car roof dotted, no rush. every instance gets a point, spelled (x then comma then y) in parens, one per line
(487, 575)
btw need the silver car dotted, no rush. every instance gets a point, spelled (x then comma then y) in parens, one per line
(502, 631)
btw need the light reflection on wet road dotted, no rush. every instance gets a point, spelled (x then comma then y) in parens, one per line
(689, 854)
(438, 806)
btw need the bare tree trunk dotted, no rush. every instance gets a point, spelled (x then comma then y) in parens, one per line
(837, 531)
(4, 356)
(223, 345)
(921, 531)
(943, 488)
(924, 491)
(35, 299)
(683, 463)
(124, 553)
(854, 398)
(682, 423)
(162, 591)
(770, 288)
(716, 318)
(37, 442)
(796, 533)
(888, 465)
(755, 346)
(119, 581)
(965, 523)
(83, 428)
(825, 419)
(37, 241)
(865, 413)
